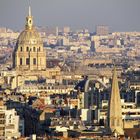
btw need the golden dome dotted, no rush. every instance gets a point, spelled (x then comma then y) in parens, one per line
(29, 53)
(29, 36)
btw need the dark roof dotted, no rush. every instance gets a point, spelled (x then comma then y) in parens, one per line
(81, 85)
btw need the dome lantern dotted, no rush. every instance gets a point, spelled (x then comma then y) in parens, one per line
(29, 20)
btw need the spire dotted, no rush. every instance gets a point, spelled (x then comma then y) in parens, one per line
(30, 11)
(29, 20)
(115, 109)
(115, 86)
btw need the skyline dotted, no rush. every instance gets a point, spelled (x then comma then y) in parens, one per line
(118, 15)
(57, 83)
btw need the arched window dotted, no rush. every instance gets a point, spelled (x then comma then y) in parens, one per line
(27, 49)
(39, 49)
(27, 61)
(21, 49)
(112, 122)
(20, 61)
(118, 122)
(34, 61)
(34, 49)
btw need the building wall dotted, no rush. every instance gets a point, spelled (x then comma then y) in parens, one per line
(10, 123)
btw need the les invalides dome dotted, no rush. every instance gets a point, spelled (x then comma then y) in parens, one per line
(29, 53)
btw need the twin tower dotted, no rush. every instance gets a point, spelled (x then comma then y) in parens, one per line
(29, 53)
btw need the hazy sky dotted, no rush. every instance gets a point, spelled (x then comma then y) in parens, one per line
(119, 15)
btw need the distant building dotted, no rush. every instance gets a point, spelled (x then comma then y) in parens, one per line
(51, 30)
(9, 123)
(2, 30)
(66, 29)
(102, 30)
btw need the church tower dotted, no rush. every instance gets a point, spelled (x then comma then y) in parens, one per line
(115, 109)
(29, 53)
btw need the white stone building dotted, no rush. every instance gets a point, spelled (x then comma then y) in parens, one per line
(9, 123)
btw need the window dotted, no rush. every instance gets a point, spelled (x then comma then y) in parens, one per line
(118, 122)
(30, 21)
(112, 122)
(27, 49)
(39, 49)
(20, 61)
(27, 61)
(34, 49)
(21, 49)
(34, 61)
